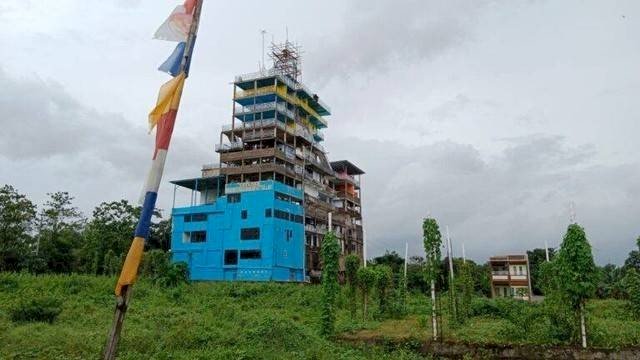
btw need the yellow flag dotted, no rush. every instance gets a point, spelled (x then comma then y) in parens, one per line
(168, 99)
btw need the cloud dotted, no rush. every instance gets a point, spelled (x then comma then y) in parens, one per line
(381, 34)
(508, 203)
(47, 134)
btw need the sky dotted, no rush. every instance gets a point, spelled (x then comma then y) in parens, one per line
(495, 117)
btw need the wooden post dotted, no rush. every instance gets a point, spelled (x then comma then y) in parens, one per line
(122, 301)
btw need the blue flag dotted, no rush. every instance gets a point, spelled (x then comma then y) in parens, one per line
(172, 64)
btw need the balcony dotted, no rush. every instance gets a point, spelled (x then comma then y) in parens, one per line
(347, 177)
(234, 146)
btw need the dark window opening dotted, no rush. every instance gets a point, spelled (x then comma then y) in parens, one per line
(250, 234)
(195, 217)
(267, 212)
(194, 236)
(250, 254)
(231, 257)
(243, 214)
(297, 218)
(281, 214)
(283, 197)
(233, 198)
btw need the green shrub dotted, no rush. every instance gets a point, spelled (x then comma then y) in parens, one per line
(8, 283)
(484, 307)
(45, 309)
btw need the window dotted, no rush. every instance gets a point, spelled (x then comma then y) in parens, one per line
(250, 254)
(233, 198)
(250, 234)
(281, 196)
(281, 214)
(231, 257)
(288, 233)
(195, 217)
(520, 269)
(267, 213)
(243, 214)
(194, 236)
(297, 218)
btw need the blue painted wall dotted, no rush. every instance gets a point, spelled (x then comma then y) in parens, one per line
(280, 242)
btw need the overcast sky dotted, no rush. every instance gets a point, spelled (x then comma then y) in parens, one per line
(491, 116)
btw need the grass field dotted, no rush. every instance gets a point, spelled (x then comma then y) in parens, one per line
(238, 321)
(197, 321)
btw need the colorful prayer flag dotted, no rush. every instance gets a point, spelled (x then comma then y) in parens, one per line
(177, 25)
(172, 64)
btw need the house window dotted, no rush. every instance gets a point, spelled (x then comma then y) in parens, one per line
(233, 198)
(267, 213)
(195, 217)
(250, 254)
(281, 214)
(297, 218)
(250, 234)
(282, 197)
(243, 214)
(231, 257)
(194, 236)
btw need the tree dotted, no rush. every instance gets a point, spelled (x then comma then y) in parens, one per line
(633, 261)
(330, 258)
(432, 243)
(59, 232)
(415, 274)
(366, 281)
(631, 283)
(110, 229)
(16, 219)
(384, 278)
(576, 273)
(391, 259)
(465, 289)
(352, 264)
(536, 257)
(610, 282)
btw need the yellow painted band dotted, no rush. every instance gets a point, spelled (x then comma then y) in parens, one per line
(129, 271)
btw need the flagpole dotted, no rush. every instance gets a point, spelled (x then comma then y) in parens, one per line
(130, 267)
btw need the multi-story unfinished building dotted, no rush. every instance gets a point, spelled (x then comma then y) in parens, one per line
(262, 212)
(510, 276)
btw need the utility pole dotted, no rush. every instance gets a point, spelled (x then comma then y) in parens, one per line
(546, 250)
(124, 296)
(450, 254)
(406, 257)
(464, 256)
(263, 68)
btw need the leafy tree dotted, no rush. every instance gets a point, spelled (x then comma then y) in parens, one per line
(465, 290)
(366, 281)
(112, 263)
(432, 246)
(330, 258)
(384, 281)
(110, 229)
(391, 259)
(576, 273)
(633, 261)
(610, 282)
(16, 219)
(59, 232)
(415, 274)
(632, 286)
(536, 257)
(352, 264)
(160, 234)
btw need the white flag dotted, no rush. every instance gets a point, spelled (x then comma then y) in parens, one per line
(176, 27)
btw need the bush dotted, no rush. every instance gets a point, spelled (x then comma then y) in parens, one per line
(8, 284)
(44, 309)
(157, 266)
(484, 307)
